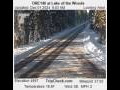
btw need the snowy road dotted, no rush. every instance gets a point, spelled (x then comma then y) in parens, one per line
(64, 58)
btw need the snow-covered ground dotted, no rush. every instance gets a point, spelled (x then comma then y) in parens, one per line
(25, 48)
(96, 52)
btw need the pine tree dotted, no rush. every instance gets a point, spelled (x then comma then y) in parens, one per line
(100, 23)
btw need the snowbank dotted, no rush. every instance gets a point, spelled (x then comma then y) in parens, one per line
(96, 52)
(25, 48)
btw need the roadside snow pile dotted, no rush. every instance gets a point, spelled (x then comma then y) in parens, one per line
(25, 48)
(96, 52)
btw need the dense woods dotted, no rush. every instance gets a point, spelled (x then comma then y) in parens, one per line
(32, 26)
(98, 23)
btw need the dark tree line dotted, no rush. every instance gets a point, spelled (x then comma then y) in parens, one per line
(32, 26)
(98, 23)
